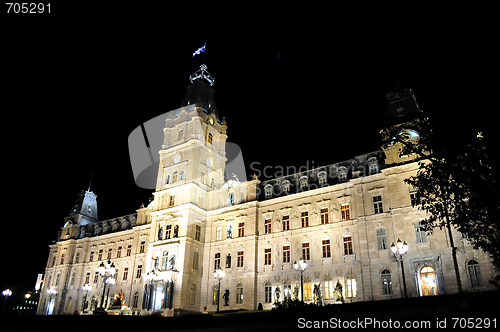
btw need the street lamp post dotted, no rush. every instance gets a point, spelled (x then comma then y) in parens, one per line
(218, 274)
(400, 248)
(6, 294)
(302, 264)
(106, 271)
(86, 288)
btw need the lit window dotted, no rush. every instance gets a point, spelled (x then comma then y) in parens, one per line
(267, 256)
(324, 216)
(239, 294)
(286, 222)
(306, 252)
(386, 282)
(348, 245)
(329, 289)
(307, 291)
(345, 211)
(210, 138)
(304, 217)
(326, 248)
(351, 289)
(286, 253)
(267, 226)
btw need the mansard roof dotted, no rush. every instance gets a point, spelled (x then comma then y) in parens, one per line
(109, 226)
(322, 176)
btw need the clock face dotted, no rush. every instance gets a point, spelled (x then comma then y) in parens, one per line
(211, 120)
(177, 158)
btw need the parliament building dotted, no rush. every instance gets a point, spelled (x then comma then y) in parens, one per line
(204, 229)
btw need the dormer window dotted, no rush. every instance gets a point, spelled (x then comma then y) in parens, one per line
(342, 173)
(322, 178)
(303, 182)
(268, 190)
(286, 187)
(372, 165)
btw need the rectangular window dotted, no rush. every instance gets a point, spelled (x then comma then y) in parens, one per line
(96, 277)
(381, 239)
(241, 229)
(307, 291)
(413, 198)
(348, 245)
(218, 234)
(197, 233)
(110, 251)
(77, 257)
(91, 258)
(87, 278)
(324, 216)
(129, 250)
(200, 202)
(286, 253)
(306, 252)
(351, 289)
(61, 262)
(267, 293)
(139, 271)
(420, 232)
(239, 258)
(168, 232)
(142, 247)
(329, 289)
(326, 248)
(99, 255)
(286, 222)
(172, 200)
(377, 204)
(267, 256)
(267, 226)
(125, 273)
(119, 252)
(304, 217)
(345, 211)
(192, 294)
(217, 261)
(239, 294)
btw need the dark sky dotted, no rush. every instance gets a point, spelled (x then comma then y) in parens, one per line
(300, 86)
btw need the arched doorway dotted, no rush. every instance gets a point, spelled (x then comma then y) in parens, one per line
(428, 281)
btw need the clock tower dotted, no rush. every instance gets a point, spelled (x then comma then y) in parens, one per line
(83, 212)
(191, 165)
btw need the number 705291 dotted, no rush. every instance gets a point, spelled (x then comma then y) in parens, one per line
(27, 8)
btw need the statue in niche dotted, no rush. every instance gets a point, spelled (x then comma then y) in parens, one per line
(160, 233)
(172, 262)
(317, 295)
(226, 297)
(82, 232)
(229, 232)
(277, 294)
(105, 227)
(176, 231)
(157, 262)
(338, 293)
(296, 293)
(228, 261)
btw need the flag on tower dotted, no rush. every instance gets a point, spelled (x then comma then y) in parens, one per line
(198, 51)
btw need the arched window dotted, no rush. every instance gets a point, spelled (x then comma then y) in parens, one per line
(386, 280)
(474, 273)
(372, 165)
(239, 293)
(351, 288)
(174, 177)
(428, 284)
(210, 138)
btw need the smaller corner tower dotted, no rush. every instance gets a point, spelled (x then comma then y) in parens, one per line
(83, 212)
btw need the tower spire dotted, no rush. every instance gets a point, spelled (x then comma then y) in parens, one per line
(90, 182)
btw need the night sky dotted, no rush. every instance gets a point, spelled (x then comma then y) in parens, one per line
(297, 86)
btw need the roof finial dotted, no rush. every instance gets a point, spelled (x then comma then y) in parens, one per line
(90, 182)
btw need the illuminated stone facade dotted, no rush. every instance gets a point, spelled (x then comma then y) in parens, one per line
(340, 218)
